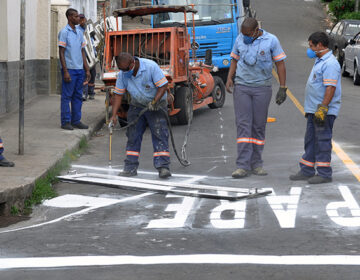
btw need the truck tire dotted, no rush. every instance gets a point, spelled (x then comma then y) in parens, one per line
(356, 75)
(218, 93)
(183, 101)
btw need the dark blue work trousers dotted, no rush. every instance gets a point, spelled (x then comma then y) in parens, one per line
(251, 109)
(317, 147)
(72, 94)
(1, 149)
(159, 133)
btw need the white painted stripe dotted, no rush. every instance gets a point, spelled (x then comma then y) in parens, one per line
(81, 212)
(76, 261)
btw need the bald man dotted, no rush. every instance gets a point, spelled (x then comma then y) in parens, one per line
(253, 55)
(145, 82)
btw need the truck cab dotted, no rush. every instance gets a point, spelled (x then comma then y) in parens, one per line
(217, 24)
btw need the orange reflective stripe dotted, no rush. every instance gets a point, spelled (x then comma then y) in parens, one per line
(323, 164)
(329, 80)
(62, 44)
(163, 80)
(307, 163)
(119, 90)
(237, 57)
(83, 44)
(132, 153)
(162, 154)
(250, 140)
(280, 56)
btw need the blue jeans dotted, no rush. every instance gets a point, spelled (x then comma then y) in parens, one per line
(72, 94)
(317, 147)
(159, 134)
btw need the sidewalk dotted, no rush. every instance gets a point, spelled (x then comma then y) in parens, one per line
(45, 144)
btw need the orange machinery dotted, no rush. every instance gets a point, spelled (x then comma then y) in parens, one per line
(191, 84)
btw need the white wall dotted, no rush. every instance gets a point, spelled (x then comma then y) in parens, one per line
(37, 29)
(86, 7)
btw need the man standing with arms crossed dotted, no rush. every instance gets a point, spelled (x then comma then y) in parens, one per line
(253, 55)
(73, 62)
(145, 82)
(322, 105)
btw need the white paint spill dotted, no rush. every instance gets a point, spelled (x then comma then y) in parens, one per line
(237, 207)
(332, 209)
(76, 201)
(211, 169)
(78, 213)
(82, 261)
(286, 216)
(182, 211)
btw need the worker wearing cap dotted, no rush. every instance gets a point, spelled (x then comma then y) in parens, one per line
(146, 84)
(322, 105)
(73, 62)
(89, 86)
(253, 55)
(3, 161)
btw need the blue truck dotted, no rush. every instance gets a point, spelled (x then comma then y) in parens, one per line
(217, 24)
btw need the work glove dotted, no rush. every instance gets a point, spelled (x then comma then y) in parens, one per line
(281, 95)
(320, 114)
(153, 106)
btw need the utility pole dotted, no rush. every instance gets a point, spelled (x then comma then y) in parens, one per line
(22, 78)
(357, 5)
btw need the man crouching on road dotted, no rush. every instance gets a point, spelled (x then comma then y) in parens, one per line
(322, 104)
(147, 85)
(253, 55)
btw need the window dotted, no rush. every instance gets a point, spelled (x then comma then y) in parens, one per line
(341, 28)
(335, 29)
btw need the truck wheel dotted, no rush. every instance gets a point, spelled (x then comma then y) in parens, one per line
(356, 75)
(218, 93)
(183, 101)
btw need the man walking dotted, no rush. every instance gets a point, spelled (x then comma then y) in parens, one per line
(145, 82)
(89, 86)
(3, 161)
(73, 62)
(253, 55)
(322, 105)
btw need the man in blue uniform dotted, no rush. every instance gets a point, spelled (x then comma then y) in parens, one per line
(253, 55)
(3, 161)
(145, 82)
(73, 62)
(322, 105)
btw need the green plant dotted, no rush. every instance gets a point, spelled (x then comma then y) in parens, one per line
(351, 15)
(341, 7)
(14, 210)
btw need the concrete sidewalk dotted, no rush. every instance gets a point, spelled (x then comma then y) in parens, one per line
(45, 144)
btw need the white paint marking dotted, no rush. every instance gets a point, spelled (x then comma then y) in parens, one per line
(76, 201)
(81, 212)
(211, 169)
(82, 261)
(239, 214)
(332, 209)
(182, 212)
(285, 216)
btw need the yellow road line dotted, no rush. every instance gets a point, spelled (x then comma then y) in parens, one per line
(349, 163)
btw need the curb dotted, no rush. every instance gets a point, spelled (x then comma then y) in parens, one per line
(17, 196)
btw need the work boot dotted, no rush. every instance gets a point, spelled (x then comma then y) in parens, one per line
(240, 173)
(259, 171)
(5, 163)
(67, 126)
(84, 98)
(91, 97)
(164, 173)
(80, 125)
(128, 173)
(319, 180)
(299, 177)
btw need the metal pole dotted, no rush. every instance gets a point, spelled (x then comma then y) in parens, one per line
(357, 5)
(22, 78)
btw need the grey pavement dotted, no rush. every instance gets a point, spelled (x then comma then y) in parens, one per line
(45, 144)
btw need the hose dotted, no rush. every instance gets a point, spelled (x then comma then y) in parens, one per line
(183, 159)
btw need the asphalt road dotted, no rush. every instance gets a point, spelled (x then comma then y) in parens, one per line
(299, 232)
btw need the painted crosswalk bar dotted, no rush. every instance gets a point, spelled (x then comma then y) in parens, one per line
(178, 188)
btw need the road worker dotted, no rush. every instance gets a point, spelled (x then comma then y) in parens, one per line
(146, 85)
(3, 161)
(73, 62)
(322, 105)
(89, 86)
(253, 55)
